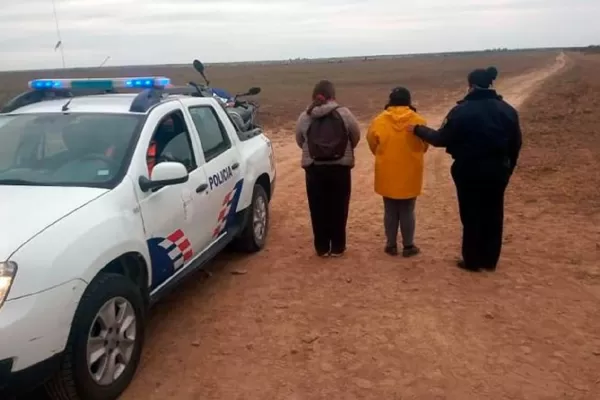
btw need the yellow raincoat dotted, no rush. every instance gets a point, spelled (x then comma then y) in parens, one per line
(399, 154)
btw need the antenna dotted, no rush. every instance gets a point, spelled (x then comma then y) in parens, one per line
(59, 44)
(104, 62)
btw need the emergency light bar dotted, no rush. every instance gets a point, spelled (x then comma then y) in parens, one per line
(148, 82)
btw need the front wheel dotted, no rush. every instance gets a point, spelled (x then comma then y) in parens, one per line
(105, 342)
(254, 235)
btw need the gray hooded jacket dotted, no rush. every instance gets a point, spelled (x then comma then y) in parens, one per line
(351, 125)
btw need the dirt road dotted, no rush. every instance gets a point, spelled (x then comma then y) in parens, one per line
(367, 326)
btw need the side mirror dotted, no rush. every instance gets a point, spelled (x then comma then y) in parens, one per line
(198, 66)
(165, 173)
(253, 90)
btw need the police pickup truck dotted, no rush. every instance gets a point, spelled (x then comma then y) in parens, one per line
(111, 192)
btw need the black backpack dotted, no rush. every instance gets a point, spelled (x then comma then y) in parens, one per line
(327, 137)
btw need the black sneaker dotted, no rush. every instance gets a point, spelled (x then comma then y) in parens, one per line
(391, 250)
(410, 251)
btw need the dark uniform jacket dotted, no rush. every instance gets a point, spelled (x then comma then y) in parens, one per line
(480, 128)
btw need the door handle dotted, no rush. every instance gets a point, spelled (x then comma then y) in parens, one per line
(202, 188)
(235, 165)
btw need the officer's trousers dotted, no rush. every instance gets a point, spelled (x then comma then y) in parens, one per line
(480, 190)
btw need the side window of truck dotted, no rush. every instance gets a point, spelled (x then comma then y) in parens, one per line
(171, 142)
(213, 137)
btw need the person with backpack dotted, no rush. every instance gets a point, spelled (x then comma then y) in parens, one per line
(327, 133)
(482, 133)
(399, 164)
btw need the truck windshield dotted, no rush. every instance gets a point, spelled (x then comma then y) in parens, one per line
(64, 149)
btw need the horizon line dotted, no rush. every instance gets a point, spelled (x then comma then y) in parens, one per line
(312, 59)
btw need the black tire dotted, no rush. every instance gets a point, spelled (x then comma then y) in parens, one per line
(247, 241)
(73, 381)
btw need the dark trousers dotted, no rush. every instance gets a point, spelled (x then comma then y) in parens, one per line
(328, 189)
(480, 190)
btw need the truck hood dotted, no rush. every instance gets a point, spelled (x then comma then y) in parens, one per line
(25, 211)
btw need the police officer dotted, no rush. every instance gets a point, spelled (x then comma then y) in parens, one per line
(483, 135)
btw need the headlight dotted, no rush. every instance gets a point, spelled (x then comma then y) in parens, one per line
(8, 270)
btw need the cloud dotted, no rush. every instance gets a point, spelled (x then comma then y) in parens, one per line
(159, 31)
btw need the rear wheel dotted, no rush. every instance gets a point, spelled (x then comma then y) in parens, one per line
(254, 235)
(105, 343)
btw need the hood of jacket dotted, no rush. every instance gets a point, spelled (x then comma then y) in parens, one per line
(399, 115)
(322, 110)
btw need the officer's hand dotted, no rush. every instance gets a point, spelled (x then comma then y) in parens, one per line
(411, 128)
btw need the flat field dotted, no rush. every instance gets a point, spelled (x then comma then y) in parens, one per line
(362, 85)
(368, 326)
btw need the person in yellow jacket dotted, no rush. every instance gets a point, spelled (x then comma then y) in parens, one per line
(399, 163)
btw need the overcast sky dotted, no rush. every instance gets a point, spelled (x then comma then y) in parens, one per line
(176, 31)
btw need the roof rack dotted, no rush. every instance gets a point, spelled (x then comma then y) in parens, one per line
(50, 90)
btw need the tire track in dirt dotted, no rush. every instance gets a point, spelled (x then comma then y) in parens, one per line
(300, 327)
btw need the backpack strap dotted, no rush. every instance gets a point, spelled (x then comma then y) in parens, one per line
(335, 110)
(338, 115)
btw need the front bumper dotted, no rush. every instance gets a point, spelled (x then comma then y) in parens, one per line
(28, 379)
(34, 331)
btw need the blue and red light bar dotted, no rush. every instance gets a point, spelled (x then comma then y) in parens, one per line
(144, 82)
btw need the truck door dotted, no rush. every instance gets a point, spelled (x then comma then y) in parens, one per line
(169, 212)
(223, 172)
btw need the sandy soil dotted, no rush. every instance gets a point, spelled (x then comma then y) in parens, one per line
(287, 325)
(291, 326)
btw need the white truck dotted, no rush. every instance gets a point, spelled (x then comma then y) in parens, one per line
(108, 200)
